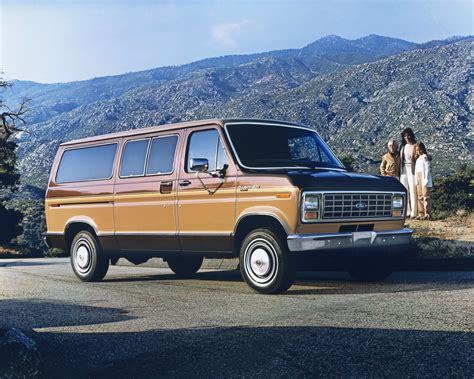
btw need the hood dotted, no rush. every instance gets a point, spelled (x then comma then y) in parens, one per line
(322, 180)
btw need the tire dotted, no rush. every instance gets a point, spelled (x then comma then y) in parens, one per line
(185, 266)
(366, 269)
(87, 260)
(266, 263)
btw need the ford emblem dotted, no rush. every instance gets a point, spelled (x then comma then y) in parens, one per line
(360, 205)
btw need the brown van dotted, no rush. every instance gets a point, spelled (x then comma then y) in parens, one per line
(268, 192)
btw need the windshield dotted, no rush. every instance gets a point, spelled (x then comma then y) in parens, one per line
(276, 146)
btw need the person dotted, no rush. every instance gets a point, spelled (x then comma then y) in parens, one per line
(390, 165)
(424, 182)
(407, 174)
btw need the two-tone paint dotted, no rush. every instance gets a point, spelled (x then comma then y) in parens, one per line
(171, 213)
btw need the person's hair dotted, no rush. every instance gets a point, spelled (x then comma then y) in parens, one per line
(421, 148)
(408, 131)
(394, 143)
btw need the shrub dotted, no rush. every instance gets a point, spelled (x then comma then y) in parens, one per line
(453, 193)
(9, 224)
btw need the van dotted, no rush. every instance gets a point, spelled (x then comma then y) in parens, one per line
(268, 192)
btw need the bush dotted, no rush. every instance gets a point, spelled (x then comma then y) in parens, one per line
(348, 162)
(9, 224)
(453, 193)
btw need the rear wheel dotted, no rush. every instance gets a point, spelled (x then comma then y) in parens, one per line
(366, 269)
(185, 266)
(266, 263)
(87, 261)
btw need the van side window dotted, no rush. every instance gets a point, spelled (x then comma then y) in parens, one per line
(86, 163)
(133, 158)
(206, 144)
(161, 156)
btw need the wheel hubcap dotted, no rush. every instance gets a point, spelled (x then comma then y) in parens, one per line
(82, 256)
(261, 262)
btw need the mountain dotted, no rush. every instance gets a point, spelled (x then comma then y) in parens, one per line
(356, 107)
(356, 94)
(322, 56)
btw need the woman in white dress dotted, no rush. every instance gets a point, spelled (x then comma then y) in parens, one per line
(407, 172)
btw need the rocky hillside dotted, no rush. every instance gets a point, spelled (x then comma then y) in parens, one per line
(356, 107)
(324, 55)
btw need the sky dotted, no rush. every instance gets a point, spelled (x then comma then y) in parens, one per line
(65, 40)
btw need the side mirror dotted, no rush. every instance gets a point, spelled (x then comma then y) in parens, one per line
(222, 171)
(199, 164)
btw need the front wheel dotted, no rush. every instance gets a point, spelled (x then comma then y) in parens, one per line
(367, 269)
(87, 260)
(266, 263)
(185, 266)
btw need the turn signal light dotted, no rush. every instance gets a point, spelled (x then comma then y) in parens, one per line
(311, 215)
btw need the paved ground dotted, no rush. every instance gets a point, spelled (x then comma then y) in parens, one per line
(143, 322)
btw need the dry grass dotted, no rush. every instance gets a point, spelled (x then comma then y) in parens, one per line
(451, 237)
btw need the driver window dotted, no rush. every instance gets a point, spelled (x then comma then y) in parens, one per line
(206, 144)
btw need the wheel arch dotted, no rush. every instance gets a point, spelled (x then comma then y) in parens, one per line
(248, 222)
(75, 226)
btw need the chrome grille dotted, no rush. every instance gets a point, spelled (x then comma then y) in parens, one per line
(357, 205)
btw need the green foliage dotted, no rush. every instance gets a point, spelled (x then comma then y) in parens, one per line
(348, 162)
(10, 220)
(453, 193)
(9, 177)
(33, 222)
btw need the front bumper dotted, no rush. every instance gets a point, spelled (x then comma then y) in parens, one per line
(349, 240)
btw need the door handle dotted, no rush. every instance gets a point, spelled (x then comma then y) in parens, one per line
(166, 187)
(184, 183)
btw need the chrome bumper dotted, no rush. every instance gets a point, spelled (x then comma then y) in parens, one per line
(350, 240)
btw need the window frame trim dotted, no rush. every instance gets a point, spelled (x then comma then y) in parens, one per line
(87, 147)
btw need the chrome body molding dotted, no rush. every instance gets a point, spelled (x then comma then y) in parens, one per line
(349, 240)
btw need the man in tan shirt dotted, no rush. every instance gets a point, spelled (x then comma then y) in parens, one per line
(390, 165)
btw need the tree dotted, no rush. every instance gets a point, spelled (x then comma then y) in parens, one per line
(348, 162)
(9, 178)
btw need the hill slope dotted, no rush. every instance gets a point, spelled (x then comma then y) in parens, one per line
(356, 109)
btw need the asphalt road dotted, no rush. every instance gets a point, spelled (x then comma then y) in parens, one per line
(144, 322)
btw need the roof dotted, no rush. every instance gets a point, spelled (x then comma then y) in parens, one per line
(166, 127)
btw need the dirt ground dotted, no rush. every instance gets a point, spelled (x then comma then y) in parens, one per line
(451, 237)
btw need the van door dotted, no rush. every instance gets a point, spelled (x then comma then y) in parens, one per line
(145, 198)
(206, 202)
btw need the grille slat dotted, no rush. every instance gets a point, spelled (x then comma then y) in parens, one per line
(377, 205)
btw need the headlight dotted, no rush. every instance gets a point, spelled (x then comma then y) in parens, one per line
(397, 202)
(310, 207)
(311, 202)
